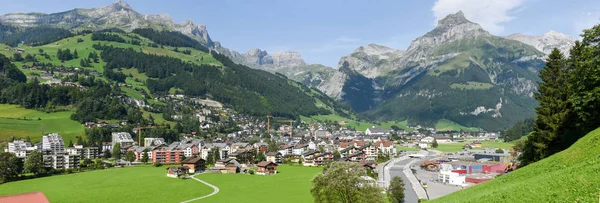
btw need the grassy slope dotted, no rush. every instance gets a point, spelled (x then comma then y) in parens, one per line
(291, 185)
(448, 125)
(572, 175)
(472, 86)
(52, 123)
(457, 146)
(359, 126)
(137, 184)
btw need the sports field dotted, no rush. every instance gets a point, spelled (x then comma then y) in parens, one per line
(458, 146)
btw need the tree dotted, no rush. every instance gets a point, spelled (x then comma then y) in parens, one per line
(35, 163)
(336, 155)
(18, 57)
(210, 158)
(10, 167)
(145, 157)
(106, 154)
(344, 182)
(116, 152)
(130, 156)
(71, 143)
(396, 190)
(434, 144)
(499, 151)
(553, 112)
(260, 156)
(182, 158)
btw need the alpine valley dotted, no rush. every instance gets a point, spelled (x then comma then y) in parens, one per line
(457, 71)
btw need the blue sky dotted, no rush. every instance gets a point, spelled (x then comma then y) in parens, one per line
(323, 31)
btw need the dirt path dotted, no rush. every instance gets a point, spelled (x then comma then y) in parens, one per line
(216, 190)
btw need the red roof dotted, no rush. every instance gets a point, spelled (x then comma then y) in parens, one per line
(385, 143)
(346, 144)
(37, 197)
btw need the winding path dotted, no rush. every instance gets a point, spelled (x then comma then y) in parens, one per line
(216, 190)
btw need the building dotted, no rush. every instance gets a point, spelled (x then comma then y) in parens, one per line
(427, 139)
(18, 145)
(152, 141)
(285, 149)
(60, 160)
(53, 142)
(266, 168)
(84, 152)
(123, 138)
(299, 149)
(194, 164)
(275, 157)
(442, 139)
(227, 166)
(376, 131)
(176, 171)
(167, 156)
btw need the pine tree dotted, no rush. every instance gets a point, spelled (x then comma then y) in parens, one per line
(586, 81)
(75, 55)
(116, 153)
(145, 157)
(434, 144)
(552, 114)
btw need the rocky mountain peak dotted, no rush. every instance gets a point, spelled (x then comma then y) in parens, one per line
(120, 4)
(547, 41)
(374, 49)
(454, 19)
(288, 58)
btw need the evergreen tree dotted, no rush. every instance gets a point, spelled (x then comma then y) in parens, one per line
(75, 55)
(434, 144)
(145, 157)
(552, 114)
(130, 156)
(116, 152)
(585, 60)
(70, 143)
(106, 154)
(210, 158)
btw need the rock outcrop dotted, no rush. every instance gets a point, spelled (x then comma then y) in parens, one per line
(546, 42)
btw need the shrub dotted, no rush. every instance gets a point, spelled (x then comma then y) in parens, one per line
(251, 172)
(157, 164)
(499, 151)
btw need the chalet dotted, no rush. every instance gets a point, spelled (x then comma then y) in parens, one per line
(356, 157)
(323, 158)
(476, 144)
(309, 158)
(194, 164)
(177, 171)
(467, 146)
(266, 168)
(261, 146)
(227, 166)
(274, 157)
(20, 50)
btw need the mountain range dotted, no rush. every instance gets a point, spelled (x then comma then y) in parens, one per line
(457, 71)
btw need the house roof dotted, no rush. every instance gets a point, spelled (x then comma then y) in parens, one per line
(442, 138)
(285, 146)
(37, 197)
(298, 146)
(272, 153)
(192, 160)
(265, 163)
(385, 143)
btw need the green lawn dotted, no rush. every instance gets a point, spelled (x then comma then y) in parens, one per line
(135, 184)
(399, 147)
(59, 122)
(572, 175)
(448, 125)
(291, 185)
(457, 146)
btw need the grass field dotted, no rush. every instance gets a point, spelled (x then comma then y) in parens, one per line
(472, 86)
(448, 125)
(150, 184)
(359, 126)
(59, 122)
(399, 147)
(136, 184)
(457, 146)
(572, 175)
(291, 185)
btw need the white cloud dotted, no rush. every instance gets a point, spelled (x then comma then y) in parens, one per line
(490, 14)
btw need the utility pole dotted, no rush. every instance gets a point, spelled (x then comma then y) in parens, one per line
(269, 124)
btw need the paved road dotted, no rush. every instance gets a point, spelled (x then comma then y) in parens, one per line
(215, 188)
(397, 170)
